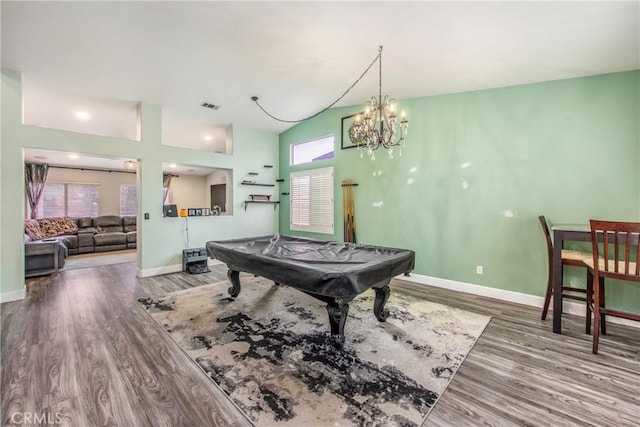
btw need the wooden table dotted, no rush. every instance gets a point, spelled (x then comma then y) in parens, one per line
(561, 234)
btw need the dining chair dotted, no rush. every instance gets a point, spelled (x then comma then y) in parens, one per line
(616, 255)
(569, 257)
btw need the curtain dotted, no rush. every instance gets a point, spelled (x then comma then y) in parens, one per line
(35, 176)
(166, 183)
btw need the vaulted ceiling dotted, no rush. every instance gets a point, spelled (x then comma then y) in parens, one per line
(298, 57)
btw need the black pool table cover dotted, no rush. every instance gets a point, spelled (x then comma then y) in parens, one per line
(328, 268)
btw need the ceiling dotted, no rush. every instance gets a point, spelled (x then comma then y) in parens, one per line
(297, 57)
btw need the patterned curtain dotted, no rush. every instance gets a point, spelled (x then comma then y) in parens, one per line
(35, 176)
(166, 183)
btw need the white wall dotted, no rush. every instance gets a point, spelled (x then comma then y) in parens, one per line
(188, 191)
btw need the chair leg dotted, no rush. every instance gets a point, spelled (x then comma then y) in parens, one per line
(603, 320)
(596, 319)
(589, 302)
(547, 299)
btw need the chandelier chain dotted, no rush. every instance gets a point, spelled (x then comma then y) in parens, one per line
(377, 58)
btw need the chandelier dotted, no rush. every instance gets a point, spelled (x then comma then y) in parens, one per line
(380, 126)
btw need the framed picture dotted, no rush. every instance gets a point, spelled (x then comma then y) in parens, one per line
(198, 212)
(206, 211)
(345, 141)
(191, 212)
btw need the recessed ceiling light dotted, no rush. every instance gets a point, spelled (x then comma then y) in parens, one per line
(208, 137)
(83, 115)
(173, 165)
(73, 156)
(191, 170)
(40, 157)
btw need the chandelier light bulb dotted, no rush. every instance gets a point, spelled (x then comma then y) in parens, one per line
(379, 127)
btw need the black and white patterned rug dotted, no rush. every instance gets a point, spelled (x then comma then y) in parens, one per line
(270, 350)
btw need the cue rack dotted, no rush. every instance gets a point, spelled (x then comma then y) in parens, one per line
(348, 210)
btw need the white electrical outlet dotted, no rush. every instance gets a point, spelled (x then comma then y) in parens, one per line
(479, 269)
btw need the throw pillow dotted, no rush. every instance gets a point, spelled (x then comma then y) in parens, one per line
(32, 228)
(56, 226)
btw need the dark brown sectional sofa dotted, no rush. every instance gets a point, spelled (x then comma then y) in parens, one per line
(77, 236)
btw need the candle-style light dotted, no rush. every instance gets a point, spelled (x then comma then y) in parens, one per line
(379, 128)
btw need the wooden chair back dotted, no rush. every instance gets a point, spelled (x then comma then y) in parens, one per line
(619, 255)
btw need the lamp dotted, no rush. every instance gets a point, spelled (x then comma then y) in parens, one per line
(130, 165)
(379, 126)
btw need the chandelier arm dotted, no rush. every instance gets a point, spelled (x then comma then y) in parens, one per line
(378, 57)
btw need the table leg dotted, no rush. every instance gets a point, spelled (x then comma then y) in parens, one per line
(558, 239)
(382, 295)
(337, 310)
(234, 278)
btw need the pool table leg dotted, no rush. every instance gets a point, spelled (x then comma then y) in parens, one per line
(234, 278)
(382, 295)
(337, 318)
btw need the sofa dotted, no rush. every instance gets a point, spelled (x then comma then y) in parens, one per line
(85, 235)
(44, 257)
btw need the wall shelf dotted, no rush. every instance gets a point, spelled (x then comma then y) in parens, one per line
(274, 203)
(257, 184)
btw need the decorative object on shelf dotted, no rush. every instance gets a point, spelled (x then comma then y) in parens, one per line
(245, 182)
(206, 211)
(255, 98)
(191, 212)
(217, 210)
(261, 197)
(130, 165)
(183, 212)
(378, 126)
(349, 210)
(347, 124)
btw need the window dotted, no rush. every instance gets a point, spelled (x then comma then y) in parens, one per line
(66, 199)
(312, 151)
(128, 200)
(312, 200)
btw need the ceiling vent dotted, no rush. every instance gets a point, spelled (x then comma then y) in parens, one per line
(210, 106)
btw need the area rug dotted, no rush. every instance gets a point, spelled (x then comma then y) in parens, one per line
(270, 351)
(98, 259)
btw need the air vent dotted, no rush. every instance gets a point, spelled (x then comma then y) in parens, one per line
(208, 105)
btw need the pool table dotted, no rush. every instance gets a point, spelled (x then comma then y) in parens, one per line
(333, 272)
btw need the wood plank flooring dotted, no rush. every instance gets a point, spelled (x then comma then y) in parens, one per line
(80, 348)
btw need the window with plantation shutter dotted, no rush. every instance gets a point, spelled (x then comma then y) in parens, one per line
(128, 200)
(68, 199)
(312, 200)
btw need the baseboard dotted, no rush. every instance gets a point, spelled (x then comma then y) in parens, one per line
(175, 268)
(504, 295)
(13, 295)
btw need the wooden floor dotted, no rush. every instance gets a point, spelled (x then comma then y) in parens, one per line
(80, 350)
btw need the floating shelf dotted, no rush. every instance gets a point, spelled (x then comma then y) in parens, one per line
(274, 203)
(257, 184)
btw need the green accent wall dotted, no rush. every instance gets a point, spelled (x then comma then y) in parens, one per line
(478, 169)
(160, 240)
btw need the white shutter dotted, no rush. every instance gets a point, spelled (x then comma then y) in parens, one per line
(312, 200)
(128, 200)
